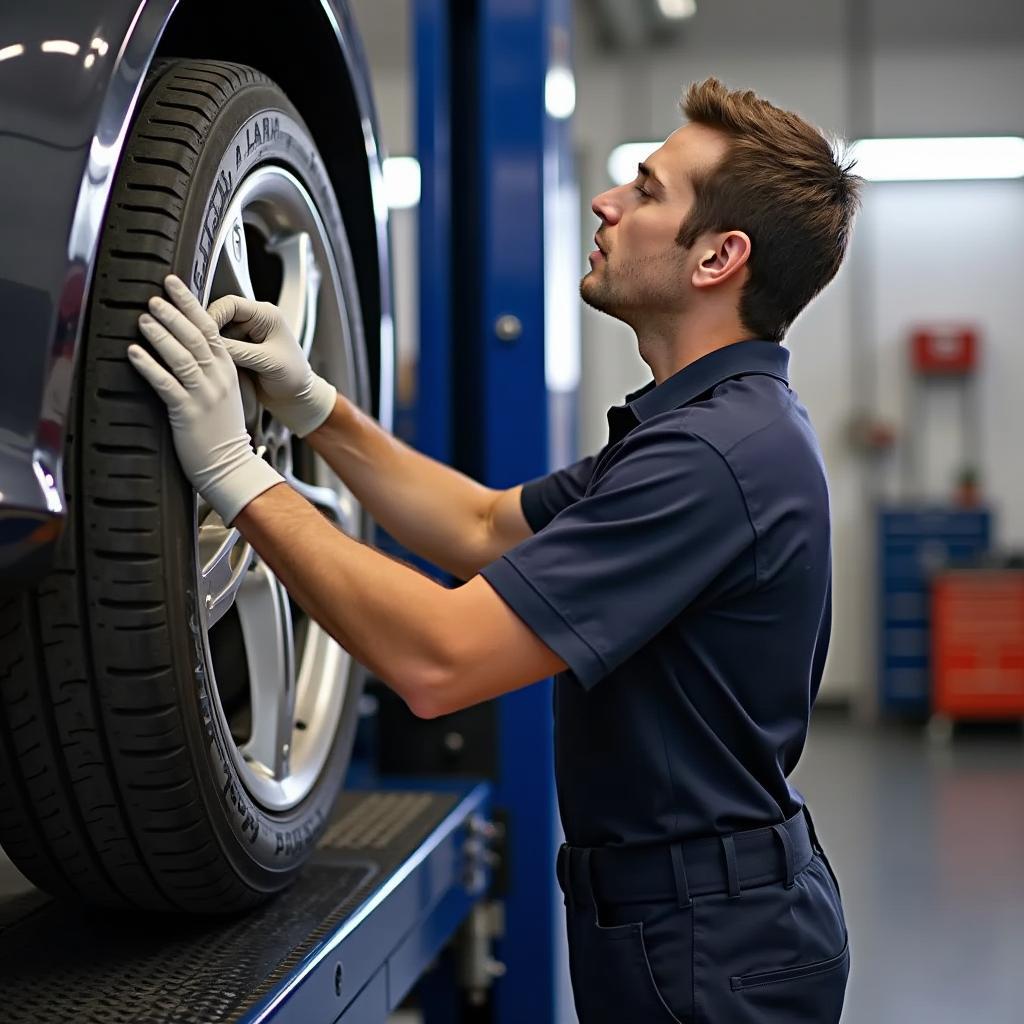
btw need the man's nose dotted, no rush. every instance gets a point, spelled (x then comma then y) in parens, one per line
(605, 206)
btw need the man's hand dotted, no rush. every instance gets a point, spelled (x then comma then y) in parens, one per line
(286, 384)
(203, 401)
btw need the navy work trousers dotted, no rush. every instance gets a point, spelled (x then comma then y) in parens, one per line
(740, 929)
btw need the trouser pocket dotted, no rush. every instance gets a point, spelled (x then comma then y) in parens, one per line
(639, 971)
(776, 954)
(805, 992)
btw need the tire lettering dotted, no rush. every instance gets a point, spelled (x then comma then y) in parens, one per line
(233, 794)
(291, 841)
(254, 136)
(214, 212)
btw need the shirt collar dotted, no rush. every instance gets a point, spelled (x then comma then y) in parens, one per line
(703, 374)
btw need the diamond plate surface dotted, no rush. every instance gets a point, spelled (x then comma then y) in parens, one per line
(59, 964)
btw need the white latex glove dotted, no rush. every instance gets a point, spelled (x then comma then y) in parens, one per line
(203, 401)
(285, 382)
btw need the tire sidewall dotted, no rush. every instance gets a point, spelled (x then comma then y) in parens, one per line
(255, 126)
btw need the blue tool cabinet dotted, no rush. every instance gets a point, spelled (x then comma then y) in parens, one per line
(914, 541)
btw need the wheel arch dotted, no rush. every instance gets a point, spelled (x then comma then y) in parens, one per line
(67, 192)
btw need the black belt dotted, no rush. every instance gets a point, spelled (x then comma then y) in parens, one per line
(692, 867)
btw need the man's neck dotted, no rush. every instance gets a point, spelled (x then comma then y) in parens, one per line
(668, 348)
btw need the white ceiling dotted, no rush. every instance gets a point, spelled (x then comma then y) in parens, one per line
(785, 25)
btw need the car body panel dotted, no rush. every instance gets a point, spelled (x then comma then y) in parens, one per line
(70, 78)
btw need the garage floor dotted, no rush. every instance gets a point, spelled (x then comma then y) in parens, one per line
(928, 843)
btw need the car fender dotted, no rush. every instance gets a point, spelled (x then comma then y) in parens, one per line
(70, 80)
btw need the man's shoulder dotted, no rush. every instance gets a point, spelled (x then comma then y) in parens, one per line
(737, 411)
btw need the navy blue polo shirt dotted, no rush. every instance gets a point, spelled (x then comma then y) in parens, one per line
(684, 575)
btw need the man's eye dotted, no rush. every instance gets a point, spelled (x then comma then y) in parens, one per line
(642, 191)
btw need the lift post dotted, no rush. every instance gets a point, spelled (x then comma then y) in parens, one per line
(487, 147)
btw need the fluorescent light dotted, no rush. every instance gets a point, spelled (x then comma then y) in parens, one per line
(560, 93)
(678, 9)
(939, 159)
(60, 46)
(402, 182)
(561, 285)
(100, 46)
(12, 51)
(623, 160)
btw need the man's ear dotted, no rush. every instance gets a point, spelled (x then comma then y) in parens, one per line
(719, 264)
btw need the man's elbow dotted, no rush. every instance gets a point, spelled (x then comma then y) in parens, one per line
(429, 692)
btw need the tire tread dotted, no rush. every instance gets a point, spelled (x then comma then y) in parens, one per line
(98, 799)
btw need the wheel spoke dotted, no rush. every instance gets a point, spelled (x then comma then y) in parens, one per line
(231, 275)
(339, 508)
(298, 675)
(224, 558)
(265, 616)
(300, 286)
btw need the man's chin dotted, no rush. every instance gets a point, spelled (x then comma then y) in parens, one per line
(594, 295)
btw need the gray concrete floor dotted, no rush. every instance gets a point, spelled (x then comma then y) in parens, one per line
(928, 842)
(927, 839)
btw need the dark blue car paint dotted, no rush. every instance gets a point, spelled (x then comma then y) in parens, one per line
(63, 122)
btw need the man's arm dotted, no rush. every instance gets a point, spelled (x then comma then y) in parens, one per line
(431, 509)
(439, 649)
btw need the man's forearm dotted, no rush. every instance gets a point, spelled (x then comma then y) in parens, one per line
(433, 510)
(439, 649)
(382, 612)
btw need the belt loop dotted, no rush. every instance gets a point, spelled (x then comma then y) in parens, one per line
(588, 880)
(729, 849)
(787, 851)
(679, 873)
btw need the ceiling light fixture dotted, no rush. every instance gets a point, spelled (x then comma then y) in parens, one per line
(560, 93)
(623, 160)
(402, 182)
(60, 46)
(677, 10)
(940, 159)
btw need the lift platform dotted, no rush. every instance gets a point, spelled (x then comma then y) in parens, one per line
(393, 877)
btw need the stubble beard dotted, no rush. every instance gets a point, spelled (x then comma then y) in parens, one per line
(646, 284)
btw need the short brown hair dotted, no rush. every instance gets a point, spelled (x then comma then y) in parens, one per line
(787, 187)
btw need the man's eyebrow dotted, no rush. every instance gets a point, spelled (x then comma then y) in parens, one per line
(648, 173)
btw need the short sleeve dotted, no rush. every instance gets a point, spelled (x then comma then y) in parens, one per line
(665, 520)
(542, 499)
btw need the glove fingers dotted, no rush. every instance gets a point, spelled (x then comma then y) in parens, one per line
(184, 331)
(245, 354)
(183, 365)
(246, 313)
(193, 310)
(165, 384)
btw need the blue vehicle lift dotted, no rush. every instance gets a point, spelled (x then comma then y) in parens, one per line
(407, 863)
(395, 874)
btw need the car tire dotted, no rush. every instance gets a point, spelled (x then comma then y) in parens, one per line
(124, 776)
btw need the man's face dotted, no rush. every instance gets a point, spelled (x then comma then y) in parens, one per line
(638, 269)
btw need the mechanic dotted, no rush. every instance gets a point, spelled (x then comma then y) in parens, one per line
(678, 583)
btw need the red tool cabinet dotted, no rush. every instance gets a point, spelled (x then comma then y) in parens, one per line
(978, 643)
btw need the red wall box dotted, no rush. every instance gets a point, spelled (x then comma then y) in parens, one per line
(950, 349)
(978, 643)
